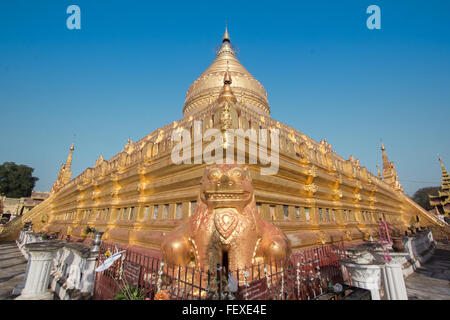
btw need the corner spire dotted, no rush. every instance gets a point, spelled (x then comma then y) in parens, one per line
(69, 157)
(389, 173)
(65, 172)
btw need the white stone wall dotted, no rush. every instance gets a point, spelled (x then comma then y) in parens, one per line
(69, 269)
(367, 268)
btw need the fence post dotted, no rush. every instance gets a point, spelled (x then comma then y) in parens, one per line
(38, 277)
(394, 282)
(95, 250)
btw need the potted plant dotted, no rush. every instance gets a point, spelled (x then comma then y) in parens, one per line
(130, 293)
(89, 230)
(27, 225)
(397, 244)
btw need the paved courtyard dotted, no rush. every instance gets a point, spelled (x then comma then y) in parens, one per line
(432, 280)
(12, 269)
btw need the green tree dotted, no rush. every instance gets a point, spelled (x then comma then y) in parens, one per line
(16, 180)
(421, 196)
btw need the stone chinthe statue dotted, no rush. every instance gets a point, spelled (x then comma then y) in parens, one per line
(225, 228)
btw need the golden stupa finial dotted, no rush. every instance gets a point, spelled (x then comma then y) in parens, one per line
(227, 76)
(227, 93)
(226, 36)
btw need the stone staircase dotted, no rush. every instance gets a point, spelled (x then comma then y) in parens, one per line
(11, 230)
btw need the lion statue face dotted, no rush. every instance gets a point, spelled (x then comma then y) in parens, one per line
(226, 186)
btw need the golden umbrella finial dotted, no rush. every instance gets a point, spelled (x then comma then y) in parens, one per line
(226, 36)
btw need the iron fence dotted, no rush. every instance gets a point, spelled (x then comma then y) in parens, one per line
(307, 274)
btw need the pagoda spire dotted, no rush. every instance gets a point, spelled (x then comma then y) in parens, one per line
(226, 48)
(441, 202)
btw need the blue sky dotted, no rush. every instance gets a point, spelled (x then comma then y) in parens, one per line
(126, 72)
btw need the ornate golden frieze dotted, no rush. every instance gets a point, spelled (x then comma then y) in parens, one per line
(357, 197)
(337, 180)
(337, 194)
(322, 237)
(311, 188)
(312, 171)
(347, 235)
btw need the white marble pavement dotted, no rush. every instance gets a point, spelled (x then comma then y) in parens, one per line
(12, 269)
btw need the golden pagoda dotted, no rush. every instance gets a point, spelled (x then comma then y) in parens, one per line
(441, 202)
(139, 195)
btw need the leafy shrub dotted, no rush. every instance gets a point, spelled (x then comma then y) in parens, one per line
(130, 293)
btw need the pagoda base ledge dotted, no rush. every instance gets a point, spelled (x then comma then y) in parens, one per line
(366, 276)
(43, 296)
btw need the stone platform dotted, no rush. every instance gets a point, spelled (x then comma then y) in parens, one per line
(12, 269)
(432, 280)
